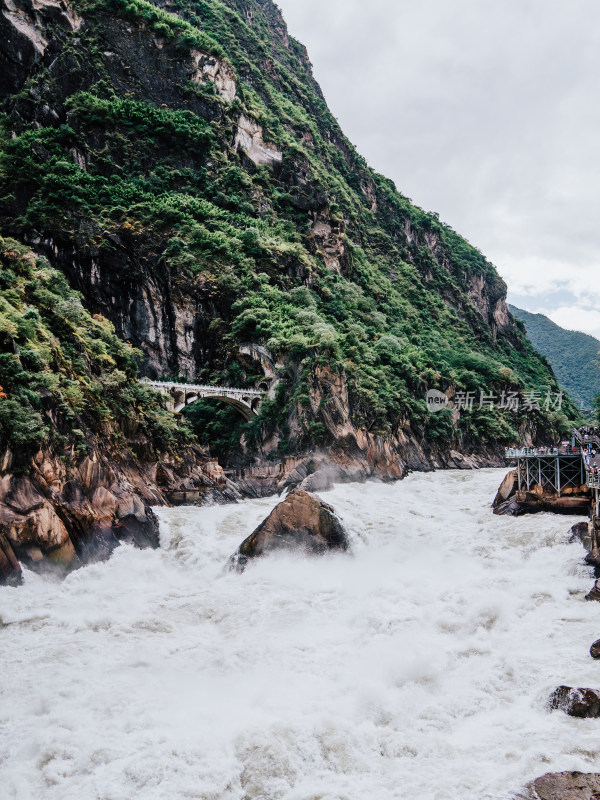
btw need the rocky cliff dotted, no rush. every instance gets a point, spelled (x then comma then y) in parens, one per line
(177, 162)
(85, 449)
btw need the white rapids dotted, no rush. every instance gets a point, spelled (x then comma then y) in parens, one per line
(416, 668)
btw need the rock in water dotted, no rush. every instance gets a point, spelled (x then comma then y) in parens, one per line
(10, 569)
(301, 522)
(595, 649)
(594, 593)
(580, 533)
(576, 702)
(507, 489)
(564, 786)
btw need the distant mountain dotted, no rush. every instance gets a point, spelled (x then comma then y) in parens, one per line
(574, 356)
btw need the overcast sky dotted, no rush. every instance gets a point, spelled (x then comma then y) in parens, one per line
(486, 111)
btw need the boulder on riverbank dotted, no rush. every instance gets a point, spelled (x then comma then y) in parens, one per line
(302, 522)
(563, 786)
(576, 702)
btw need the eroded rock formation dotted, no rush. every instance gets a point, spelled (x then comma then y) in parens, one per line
(61, 517)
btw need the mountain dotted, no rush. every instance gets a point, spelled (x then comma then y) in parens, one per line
(177, 165)
(574, 356)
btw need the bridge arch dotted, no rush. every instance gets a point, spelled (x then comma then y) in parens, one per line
(178, 395)
(245, 409)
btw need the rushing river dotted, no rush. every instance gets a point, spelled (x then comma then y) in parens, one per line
(417, 668)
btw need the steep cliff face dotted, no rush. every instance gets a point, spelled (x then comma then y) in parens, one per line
(84, 449)
(177, 161)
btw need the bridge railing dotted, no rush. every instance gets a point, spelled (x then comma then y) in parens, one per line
(196, 387)
(536, 452)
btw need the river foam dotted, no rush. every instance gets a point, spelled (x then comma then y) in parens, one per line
(416, 668)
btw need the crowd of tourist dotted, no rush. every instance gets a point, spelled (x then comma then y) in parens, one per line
(589, 438)
(588, 432)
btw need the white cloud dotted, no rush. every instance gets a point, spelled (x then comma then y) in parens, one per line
(485, 112)
(574, 318)
(539, 276)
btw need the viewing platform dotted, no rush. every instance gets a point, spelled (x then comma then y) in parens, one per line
(543, 452)
(559, 467)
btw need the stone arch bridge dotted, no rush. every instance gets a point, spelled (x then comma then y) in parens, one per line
(179, 395)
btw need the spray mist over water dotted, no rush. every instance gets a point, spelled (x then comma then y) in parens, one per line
(416, 668)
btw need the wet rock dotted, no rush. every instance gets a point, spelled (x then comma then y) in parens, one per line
(320, 474)
(319, 481)
(302, 522)
(595, 649)
(10, 569)
(593, 559)
(98, 545)
(509, 508)
(594, 593)
(140, 531)
(575, 702)
(507, 489)
(57, 519)
(580, 533)
(535, 502)
(28, 520)
(564, 786)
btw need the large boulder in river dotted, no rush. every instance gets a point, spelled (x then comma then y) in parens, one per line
(302, 522)
(564, 786)
(506, 490)
(576, 702)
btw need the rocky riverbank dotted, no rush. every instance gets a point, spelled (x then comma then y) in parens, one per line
(573, 701)
(357, 456)
(60, 516)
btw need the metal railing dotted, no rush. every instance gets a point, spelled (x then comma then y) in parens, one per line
(537, 452)
(196, 387)
(593, 481)
(586, 438)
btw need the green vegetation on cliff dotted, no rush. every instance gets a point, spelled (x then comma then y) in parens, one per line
(574, 356)
(134, 149)
(64, 374)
